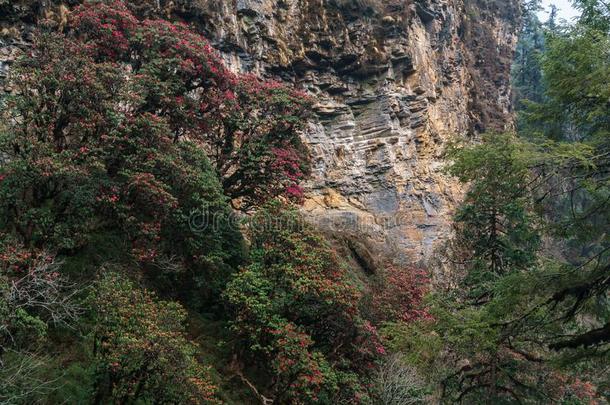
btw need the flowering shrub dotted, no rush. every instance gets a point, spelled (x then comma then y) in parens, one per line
(141, 352)
(248, 126)
(398, 295)
(299, 370)
(118, 131)
(260, 133)
(100, 114)
(297, 314)
(111, 25)
(82, 159)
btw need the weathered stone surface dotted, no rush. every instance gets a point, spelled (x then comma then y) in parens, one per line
(395, 80)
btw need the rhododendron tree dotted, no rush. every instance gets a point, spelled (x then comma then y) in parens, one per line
(398, 294)
(300, 371)
(113, 25)
(249, 126)
(119, 130)
(47, 195)
(258, 144)
(296, 312)
(141, 352)
(83, 160)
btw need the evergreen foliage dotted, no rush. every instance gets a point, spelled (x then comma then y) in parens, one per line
(123, 130)
(297, 310)
(525, 318)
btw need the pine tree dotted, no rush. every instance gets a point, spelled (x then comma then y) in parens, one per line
(526, 71)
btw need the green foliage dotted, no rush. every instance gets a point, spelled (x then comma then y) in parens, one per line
(140, 350)
(526, 72)
(504, 329)
(490, 337)
(595, 14)
(90, 166)
(297, 314)
(575, 69)
(494, 224)
(575, 199)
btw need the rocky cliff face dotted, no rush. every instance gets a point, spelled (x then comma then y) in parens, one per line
(394, 80)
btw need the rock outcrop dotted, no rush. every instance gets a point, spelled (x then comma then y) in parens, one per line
(394, 80)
